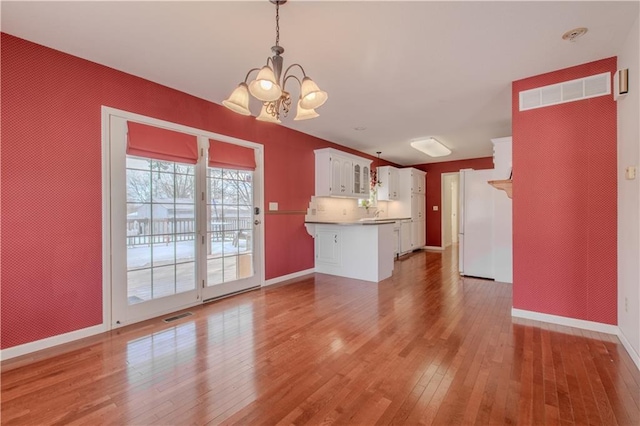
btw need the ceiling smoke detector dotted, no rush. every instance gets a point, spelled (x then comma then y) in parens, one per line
(575, 33)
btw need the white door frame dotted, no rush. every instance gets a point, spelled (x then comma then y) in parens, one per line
(106, 113)
(442, 210)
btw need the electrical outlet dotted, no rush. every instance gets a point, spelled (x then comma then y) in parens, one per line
(626, 304)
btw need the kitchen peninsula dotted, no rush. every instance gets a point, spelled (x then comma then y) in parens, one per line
(360, 249)
(358, 231)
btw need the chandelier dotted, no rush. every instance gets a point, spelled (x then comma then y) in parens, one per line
(268, 87)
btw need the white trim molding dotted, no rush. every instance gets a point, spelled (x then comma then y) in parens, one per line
(635, 357)
(582, 324)
(282, 278)
(436, 248)
(52, 341)
(568, 322)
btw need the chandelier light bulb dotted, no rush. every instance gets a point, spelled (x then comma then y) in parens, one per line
(311, 95)
(265, 86)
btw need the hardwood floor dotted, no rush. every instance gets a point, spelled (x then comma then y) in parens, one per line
(423, 347)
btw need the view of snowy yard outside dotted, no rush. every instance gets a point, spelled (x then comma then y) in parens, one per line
(161, 227)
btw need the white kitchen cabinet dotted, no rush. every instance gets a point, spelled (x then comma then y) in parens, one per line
(411, 181)
(405, 236)
(340, 180)
(418, 234)
(361, 179)
(418, 182)
(388, 178)
(418, 202)
(396, 239)
(341, 174)
(359, 251)
(328, 245)
(411, 203)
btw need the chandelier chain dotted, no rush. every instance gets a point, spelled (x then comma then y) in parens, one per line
(277, 23)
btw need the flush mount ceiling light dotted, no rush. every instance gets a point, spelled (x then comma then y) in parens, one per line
(268, 87)
(431, 146)
(573, 34)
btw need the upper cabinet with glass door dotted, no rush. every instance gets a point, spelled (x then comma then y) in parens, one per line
(361, 178)
(340, 174)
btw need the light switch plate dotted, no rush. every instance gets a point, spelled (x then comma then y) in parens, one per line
(630, 172)
(273, 206)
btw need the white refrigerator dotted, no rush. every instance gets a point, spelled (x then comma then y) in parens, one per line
(475, 238)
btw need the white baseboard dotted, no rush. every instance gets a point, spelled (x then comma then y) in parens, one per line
(630, 350)
(438, 248)
(568, 322)
(288, 277)
(51, 341)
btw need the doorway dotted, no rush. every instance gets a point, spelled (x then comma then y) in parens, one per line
(183, 216)
(449, 218)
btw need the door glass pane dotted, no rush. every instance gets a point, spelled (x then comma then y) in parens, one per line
(185, 276)
(245, 265)
(229, 264)
(160, 228)
(162, 184)
(164, 281)
(230, 225)
(214, 271)
(139, 286)
(163, 252)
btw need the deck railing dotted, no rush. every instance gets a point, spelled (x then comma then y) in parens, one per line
(145, 231)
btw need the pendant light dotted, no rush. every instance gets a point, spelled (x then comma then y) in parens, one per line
(268, 87)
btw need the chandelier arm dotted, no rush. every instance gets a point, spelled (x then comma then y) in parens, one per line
(304, 74)
(250, 71)
(284, 82)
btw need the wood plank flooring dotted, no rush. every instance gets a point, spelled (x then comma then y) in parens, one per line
(423, 347)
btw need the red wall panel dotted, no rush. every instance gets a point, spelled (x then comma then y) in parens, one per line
(434, 191)
(565, 202)
(51, 182)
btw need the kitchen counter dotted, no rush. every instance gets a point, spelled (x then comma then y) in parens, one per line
(358, 222)
(367, 221)
(349, 250)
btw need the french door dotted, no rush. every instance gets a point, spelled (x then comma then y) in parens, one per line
(230, 232)
(180, 233)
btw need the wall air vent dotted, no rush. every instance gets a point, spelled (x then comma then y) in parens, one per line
(568, 91)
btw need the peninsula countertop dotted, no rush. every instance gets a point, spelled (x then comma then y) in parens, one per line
(367, 221)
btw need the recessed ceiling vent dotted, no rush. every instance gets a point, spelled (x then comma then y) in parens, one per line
(568, 91)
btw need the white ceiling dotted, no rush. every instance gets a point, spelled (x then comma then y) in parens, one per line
(402, 70)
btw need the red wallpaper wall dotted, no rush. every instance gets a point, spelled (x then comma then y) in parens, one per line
(51, 182)
(565, 203)
(434, 191)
